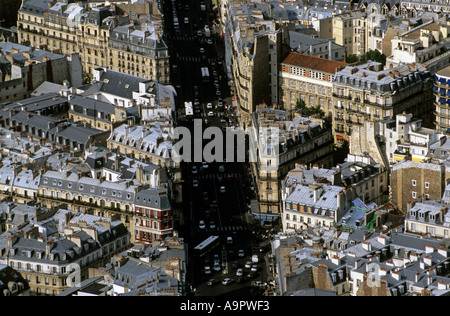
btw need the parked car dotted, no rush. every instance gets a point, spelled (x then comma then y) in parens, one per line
(195, 183)
(201, 224)
(223, 189)
(241, 253)
(212, 282)
(248, 265)
(227, 281)
(240, 272)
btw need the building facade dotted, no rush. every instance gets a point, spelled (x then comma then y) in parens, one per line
(307, 78)
(365, 92)
(103, 36)
(283, 141)
(441, 90)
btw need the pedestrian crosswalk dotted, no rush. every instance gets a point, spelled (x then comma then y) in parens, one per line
(185, 38)
(194, 59)
(206, 176)
(229, 228)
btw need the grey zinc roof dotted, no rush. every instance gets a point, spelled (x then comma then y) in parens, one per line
(88, 186)
(152, 198)
(80, 134)
(118, 83)
(305, 195)
(93, 104)
(135, 274)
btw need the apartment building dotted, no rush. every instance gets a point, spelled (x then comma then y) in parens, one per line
(349, 30)
(364, 92)
(153, 216)
(411, 180)
(254, 47)
(23, 69)
(308, 78)
(103, 36)
(139, 50)
(282, 141)
(150, 143)
(424, 44)
(318, 47)
(428, 217)
(314, 205)
(101, 115)
(85, 194)
(49, 25)
(404, 136)
(442, 101)
(54, 263)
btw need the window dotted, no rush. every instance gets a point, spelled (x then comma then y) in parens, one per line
(414, 183)
(414, 195)
(427, 185)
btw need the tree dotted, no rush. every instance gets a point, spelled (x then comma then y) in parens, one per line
(373, 55)
(300, 105)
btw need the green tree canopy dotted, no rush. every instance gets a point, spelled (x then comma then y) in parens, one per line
(373, 55)
(308, 111)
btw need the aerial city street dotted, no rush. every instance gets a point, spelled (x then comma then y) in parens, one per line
(219, 148)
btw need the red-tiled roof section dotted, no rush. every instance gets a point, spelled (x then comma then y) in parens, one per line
(313, 63)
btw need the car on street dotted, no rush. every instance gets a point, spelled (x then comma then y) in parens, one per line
(223, 189)
(212, 225)
(201, 224)
(195, 183)
(255, 268)
(199, 33)
(227, 281)
(212, 282)
(240, 272)
(202, 50)
(248, 265)
(216, 266)
(209, 105)
(241, 253)
(209, 41)
(194, 170)
(221, 168)
(186, 20)
(210, 113)
(218, 93)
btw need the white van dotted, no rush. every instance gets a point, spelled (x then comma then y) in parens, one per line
(255, 259)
